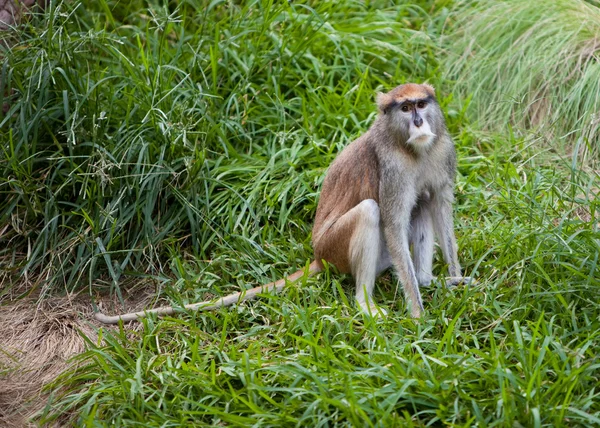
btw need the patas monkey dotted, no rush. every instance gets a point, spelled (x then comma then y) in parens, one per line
(390, 189)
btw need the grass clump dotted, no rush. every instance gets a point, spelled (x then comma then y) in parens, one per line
(136, 132)
(529, 64)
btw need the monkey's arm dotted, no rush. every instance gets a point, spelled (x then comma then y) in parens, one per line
(443, 224)
(396, 209)
(229, 300)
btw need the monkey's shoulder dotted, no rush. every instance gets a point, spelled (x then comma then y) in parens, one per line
(438, 169)
(357, 158)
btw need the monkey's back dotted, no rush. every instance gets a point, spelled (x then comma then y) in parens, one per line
(355, 166)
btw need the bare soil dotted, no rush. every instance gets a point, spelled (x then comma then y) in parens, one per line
(38, 337)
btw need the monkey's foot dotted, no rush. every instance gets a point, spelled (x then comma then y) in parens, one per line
(372, 310)
(456, 280)
(424, 280)
(416, 313)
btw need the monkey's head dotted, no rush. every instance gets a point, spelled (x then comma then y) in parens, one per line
(412, 113)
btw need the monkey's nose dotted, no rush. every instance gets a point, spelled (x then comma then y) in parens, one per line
(418, 121)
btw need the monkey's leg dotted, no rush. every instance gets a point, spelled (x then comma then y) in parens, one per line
(353, 244)
(421, 238)
(365, 254)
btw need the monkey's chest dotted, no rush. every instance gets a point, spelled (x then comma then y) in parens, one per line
(430, 177)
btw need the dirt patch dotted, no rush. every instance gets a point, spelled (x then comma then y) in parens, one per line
(37, 338)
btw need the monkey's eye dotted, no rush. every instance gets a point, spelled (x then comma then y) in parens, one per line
(421, 104)
(405, 108)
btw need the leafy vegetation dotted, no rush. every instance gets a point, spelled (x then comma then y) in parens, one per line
(187, 144)
(137, 133)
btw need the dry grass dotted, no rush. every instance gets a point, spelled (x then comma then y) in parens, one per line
(530, 64)
(37, 340)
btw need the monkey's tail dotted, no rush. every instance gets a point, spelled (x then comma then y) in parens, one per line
(314, 268)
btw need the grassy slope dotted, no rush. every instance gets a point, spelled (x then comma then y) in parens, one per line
(189, 145)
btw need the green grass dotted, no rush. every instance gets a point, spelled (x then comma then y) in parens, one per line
(138, 132)
(187, 145)
(520, 347)
(529, 64)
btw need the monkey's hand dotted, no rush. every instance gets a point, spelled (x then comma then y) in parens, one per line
(425, 279)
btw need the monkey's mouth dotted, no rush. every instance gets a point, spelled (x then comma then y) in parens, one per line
(424, 137)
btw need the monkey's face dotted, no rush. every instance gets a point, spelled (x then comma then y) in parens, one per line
(412, 113)
(415, 119)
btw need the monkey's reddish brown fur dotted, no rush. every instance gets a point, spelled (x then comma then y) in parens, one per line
(409, 91)
(355, 166)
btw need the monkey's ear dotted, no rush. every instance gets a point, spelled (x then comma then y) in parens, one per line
(384, 101)
(429, 89)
